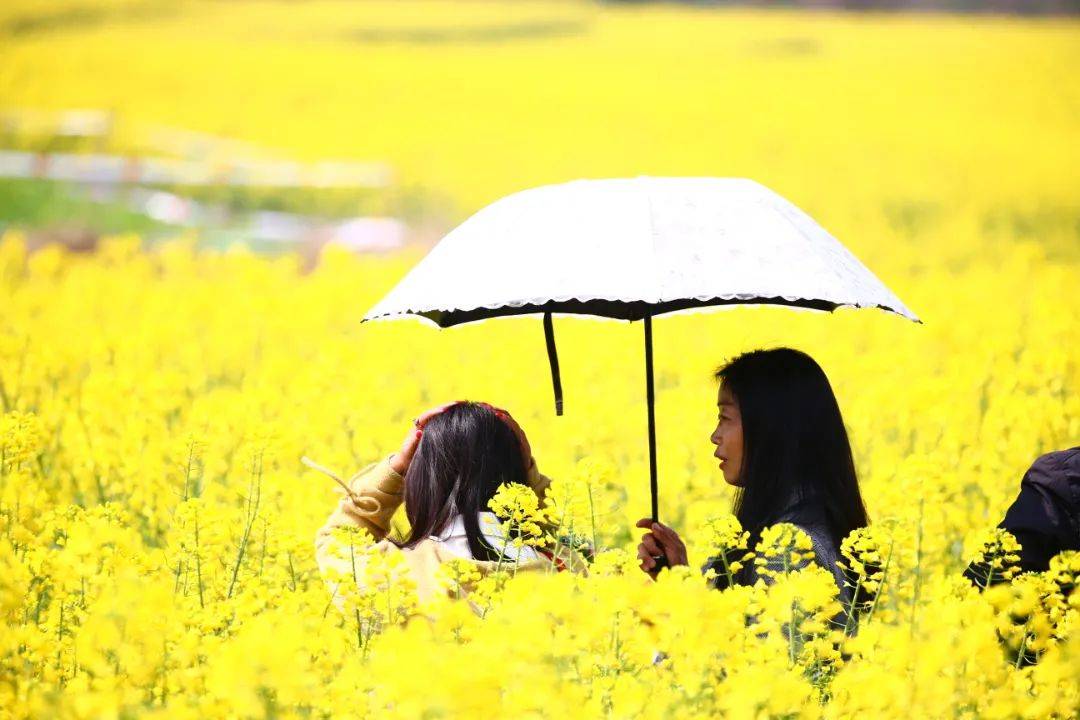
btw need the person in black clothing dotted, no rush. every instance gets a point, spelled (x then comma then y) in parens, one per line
(1045, 517)
(780, 440)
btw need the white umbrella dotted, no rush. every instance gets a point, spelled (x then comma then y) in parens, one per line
(631, 249)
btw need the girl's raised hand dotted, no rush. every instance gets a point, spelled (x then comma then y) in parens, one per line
(400, 460)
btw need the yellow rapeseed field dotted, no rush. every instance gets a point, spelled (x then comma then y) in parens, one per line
(156, 524)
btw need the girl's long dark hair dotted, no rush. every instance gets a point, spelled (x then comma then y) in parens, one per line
(795, 446)
(465, 454)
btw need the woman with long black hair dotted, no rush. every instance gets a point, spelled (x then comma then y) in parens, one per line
(780, 440)
(449, 466)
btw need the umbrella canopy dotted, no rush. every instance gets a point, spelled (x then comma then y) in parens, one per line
(628, 248)
(632, 249)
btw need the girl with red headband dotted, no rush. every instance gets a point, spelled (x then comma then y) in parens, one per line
(449, 466)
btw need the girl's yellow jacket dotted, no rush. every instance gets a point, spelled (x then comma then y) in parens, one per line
(376, 492)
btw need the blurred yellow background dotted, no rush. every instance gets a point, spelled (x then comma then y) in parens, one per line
(918, 120)
(941, 149)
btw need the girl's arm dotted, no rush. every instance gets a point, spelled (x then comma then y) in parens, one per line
(537, 481)
(373, 496)
(368, 501)
(540, 484)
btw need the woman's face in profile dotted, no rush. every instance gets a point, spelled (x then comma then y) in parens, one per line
(727, 437)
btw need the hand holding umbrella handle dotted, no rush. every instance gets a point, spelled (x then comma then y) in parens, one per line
(661, 547)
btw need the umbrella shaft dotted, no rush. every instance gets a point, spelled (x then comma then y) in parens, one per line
(650, 400)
